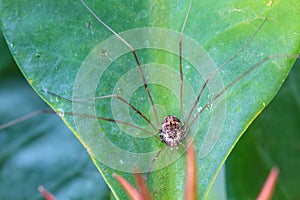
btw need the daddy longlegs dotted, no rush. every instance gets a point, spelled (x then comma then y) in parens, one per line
(173, 131)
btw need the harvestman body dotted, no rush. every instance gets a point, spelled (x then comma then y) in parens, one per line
(172, 131)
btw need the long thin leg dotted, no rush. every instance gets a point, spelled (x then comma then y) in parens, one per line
(156, 156)
(103, 97)
(23, 118)
(134, 54)
(220, 67)
(265, 59)
(109, 120)
(180, 59)
(154, 159)
(38, 112)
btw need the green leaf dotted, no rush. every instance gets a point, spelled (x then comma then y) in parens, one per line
(52, 42)
(39, 151)
(272, 140)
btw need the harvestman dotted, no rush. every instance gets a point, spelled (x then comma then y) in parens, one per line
(173, 131)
